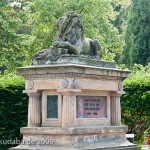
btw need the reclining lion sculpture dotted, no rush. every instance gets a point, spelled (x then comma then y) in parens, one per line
(70, 40)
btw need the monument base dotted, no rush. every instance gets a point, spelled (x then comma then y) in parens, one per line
(79, 60)
(74, 106)
(57, 138)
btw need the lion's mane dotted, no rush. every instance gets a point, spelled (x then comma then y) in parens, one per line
(70, 28)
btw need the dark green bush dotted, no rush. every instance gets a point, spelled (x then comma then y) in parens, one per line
(136, 102)
(13, 109)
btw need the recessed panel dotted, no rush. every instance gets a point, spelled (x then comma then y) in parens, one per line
(91, 107)
(52, 106)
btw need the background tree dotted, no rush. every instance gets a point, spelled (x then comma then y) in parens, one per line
(97, 18)
(137, 37)
(12, 34)
(120, 22)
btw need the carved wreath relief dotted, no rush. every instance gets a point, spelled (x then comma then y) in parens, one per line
(30, 84)
(74, 84)
(64, 83)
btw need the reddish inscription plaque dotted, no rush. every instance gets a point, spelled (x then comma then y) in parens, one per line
(91, 106)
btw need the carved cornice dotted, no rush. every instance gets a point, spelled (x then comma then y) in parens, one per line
(71, 71)
(69, 75)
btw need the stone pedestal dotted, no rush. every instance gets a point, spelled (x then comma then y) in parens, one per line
(74, 107)
(78, 138)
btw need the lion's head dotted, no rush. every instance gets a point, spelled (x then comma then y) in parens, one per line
(70, 28)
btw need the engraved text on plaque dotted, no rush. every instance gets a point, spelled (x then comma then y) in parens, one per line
(91, 106)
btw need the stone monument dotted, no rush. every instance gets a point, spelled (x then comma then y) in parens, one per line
(74, 96)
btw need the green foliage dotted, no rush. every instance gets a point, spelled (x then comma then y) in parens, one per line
(97, 18)
(135, 103)
(137, 39)
(13, 109)
(27, 26)
(11, 79)
(12, 33)
(120, 20)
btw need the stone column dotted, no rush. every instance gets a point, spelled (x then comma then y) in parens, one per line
(68, 110)
(69, 107)
(115, 110)
(34, 110)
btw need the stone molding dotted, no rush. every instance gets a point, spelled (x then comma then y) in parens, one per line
(73, 130)
(69, 91)
(117, 93)
(69, 75)
(71, 71)
(33, 94)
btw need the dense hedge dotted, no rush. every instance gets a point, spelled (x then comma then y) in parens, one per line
(13, 109)
(136, 102)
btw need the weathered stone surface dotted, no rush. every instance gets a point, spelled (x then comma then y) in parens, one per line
(115, 111)
(69, 40)
(70, 76)
(66, 131)
(71, 70)
(133, 147)
(77, 138)
(76, 59)
(73, 130)
(34, 110)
